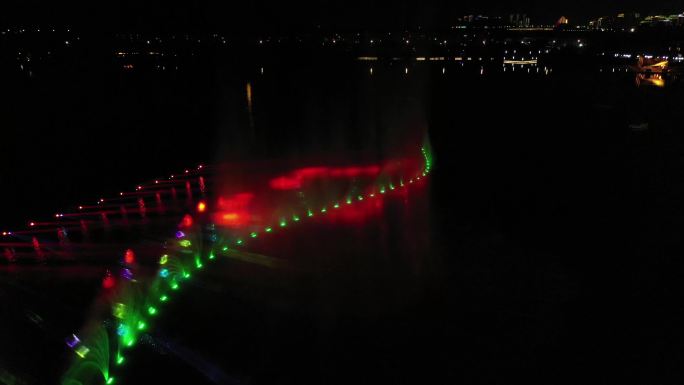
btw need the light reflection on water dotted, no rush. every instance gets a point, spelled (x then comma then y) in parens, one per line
(532, 67)
(656, 80)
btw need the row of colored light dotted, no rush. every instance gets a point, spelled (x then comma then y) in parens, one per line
(127, 339)
(127, 333)
(102, 200)
(382, 189)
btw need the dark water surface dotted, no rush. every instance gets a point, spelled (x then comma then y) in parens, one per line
(544, 248)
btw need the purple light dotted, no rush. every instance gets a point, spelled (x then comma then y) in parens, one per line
(180, 234)
(72, 341)
(127, 274)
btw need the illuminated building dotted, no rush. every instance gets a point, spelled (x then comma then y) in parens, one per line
(562, 21)
(623, 21)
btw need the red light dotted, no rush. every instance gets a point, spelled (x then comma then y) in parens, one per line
(187, 221)
(285, 183)
(354, 171)
(201, 207)
(233, 210)
(236, 202)
(296, 178)
(141, 204)
(129, 257)
(108, 282)
(231, 218)
(358, 213)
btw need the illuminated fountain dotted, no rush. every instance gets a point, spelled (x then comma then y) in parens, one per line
(339, 193)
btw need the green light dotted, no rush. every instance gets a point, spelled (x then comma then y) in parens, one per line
(110, 380)
(212, 255)
(164, 298)
(130, 342)
(225, 248)
(336, 205)
(309, 213)
(283, 223)
(82, 351)
(119, 360)
(360, 197)
(174, 286)
(268, 229)
(324, 210)
(253, 234)
(119, 310)
(141, 325)
(391, 186)
(239, 241)
(382, 189)
(185, 243)
(164, 258)
(401, 183)
(152, 310)
(295, 218)
(186, 275)
(199, 264)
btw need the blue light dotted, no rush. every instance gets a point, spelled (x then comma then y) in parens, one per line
(122, 329)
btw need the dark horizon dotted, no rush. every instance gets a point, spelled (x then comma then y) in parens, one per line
(289, 17)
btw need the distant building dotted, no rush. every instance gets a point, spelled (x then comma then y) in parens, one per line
(518, 20)
(676, 20)
(621, 22)
(481, 21)
(626, 21)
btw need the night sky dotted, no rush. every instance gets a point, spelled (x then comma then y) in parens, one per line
(292, 15)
